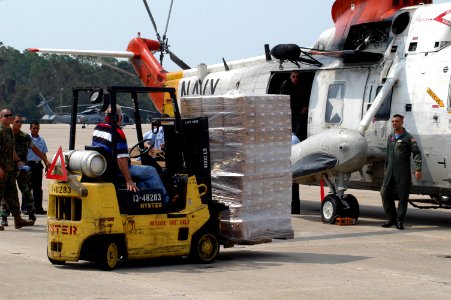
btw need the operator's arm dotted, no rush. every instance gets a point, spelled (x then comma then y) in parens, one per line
(41, 155)
(16, 158)
(122, 162)
(387, 153)
(416, 152)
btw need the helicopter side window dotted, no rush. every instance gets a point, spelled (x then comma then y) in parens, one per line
(335, 103)
(383, 114)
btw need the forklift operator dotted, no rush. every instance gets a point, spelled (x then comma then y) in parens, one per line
(147, 175)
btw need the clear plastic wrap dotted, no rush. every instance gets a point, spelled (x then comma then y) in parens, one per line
(250, 144)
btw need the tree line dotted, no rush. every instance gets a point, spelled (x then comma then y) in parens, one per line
(23, 75)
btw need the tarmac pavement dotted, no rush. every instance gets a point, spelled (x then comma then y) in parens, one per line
(363, 261)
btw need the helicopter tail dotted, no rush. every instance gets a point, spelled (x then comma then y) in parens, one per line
(149, 70)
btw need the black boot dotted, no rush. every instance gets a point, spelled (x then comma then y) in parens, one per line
(31, 216)
(389, 224)
(19, 222)
(400, 226)
(4, 221)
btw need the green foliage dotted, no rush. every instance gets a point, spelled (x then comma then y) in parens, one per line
(24, 75)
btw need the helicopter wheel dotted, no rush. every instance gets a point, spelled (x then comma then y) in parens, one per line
(330, 208)
(354, 209)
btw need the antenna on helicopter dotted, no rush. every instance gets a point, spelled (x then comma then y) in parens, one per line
(164, 46)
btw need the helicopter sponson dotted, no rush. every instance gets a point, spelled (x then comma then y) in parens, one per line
(340, 150)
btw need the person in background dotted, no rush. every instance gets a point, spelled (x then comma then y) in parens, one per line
(294, 139)
(157, 137)
(23, 143)
(295, 199)
(158, 141)
(298, 104)
(9, 161)
(35, 163)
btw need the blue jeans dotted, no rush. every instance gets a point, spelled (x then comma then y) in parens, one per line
(148, 178)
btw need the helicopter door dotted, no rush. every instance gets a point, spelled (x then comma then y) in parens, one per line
(305, 79)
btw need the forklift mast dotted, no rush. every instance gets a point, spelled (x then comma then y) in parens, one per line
(187, 148)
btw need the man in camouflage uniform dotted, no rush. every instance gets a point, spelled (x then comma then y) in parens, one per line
(397, 180)
(8, 158)
(23, 142)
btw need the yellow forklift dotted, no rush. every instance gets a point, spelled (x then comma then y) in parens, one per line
(91, 215)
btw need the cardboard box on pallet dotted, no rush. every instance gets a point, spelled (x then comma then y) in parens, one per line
(191, 107)
(250, 149)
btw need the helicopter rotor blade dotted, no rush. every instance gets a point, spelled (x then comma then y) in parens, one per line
(178, 61)
(164, 47)
(152, 20)
(169, 16)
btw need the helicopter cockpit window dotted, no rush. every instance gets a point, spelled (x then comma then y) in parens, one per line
(334, 105)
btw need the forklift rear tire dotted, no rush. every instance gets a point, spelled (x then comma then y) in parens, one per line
(107, 255)
(56, 262)
(204, 247)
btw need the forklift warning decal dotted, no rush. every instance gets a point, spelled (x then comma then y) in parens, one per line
(170, 223)
(62, 229)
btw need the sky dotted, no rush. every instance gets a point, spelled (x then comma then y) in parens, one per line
(199, 31)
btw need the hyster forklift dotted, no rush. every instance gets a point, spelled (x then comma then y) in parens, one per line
(93, 217)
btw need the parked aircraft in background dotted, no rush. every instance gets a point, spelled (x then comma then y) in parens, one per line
(382, 57)
(50, 116)
(91, 115)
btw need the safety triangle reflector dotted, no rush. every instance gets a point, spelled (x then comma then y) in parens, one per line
(54, 174)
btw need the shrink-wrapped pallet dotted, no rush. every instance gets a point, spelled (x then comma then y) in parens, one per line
(250, 144)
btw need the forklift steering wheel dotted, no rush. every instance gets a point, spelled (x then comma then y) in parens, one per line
(143, 150)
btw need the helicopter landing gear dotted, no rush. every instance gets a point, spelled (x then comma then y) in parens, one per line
(336, 203)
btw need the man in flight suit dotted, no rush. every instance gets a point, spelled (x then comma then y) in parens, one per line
(397, 180)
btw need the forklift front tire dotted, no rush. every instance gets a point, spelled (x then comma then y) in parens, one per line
(107, 256)
(204, 247)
